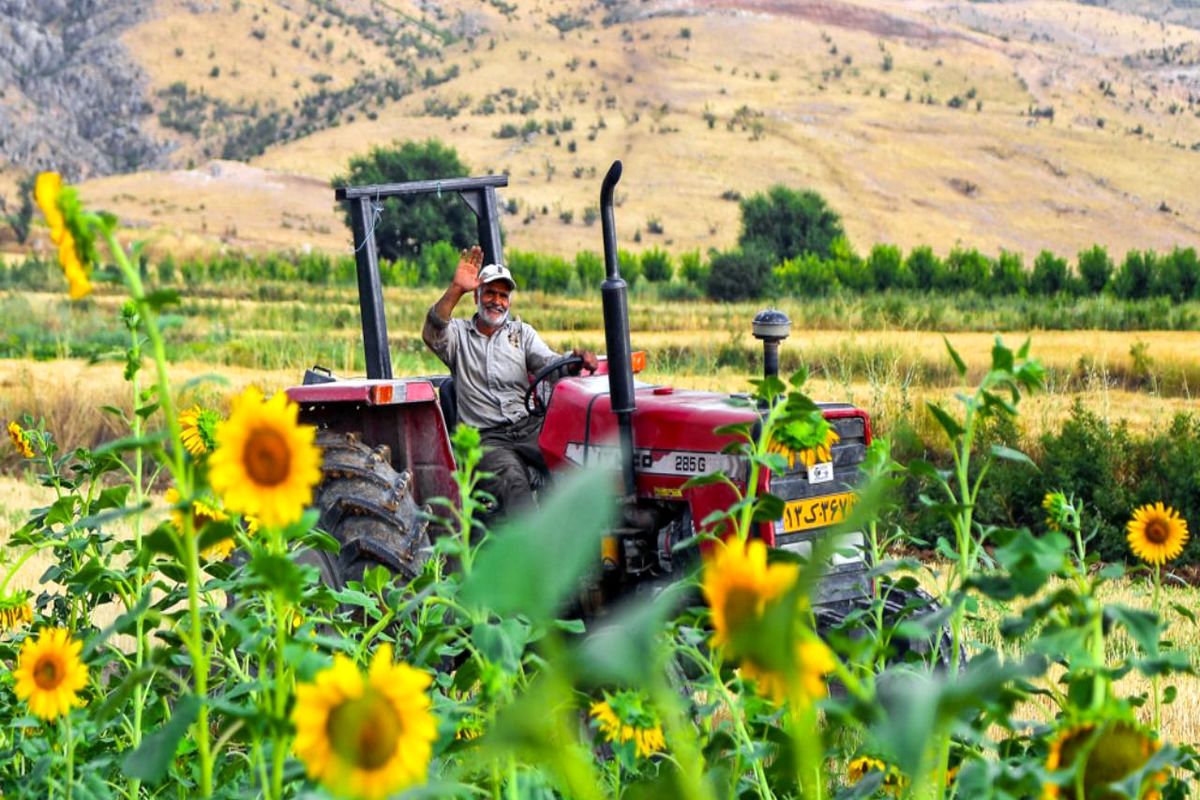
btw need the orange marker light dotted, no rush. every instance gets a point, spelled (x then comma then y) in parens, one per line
(638, 360)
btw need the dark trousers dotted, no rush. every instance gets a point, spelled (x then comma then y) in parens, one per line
(507, 451)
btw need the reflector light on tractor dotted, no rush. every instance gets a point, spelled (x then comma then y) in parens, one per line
(638, 359)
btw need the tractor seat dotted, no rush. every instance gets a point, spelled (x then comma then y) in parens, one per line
(447, 399)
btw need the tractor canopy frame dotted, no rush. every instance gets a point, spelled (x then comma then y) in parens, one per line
(479, 194)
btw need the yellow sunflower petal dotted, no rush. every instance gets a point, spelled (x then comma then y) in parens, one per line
(359, 740)
(265, 463)
(50, 674)
(1156, 533)
(46, 190)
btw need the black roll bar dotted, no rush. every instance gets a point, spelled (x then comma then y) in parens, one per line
(479, 194)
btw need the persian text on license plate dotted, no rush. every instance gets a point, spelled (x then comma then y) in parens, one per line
(816, 512)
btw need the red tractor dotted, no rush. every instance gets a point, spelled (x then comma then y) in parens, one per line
(387, 446)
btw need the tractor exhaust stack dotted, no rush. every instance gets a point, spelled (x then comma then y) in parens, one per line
(615, 296)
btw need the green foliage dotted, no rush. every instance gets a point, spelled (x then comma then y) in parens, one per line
(1008, 275)
(966, 270)
(1135, 279)
(1095, 268)
(887, 266)
(21, 219)
(807, 276)
(739, 274)
(693, 269)
(1050, 274)
(535, 271)
(786, 223)
(657, 265)
(927, 269)
(406, 224)
(589, 267)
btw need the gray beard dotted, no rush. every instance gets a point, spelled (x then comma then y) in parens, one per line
(487, 320)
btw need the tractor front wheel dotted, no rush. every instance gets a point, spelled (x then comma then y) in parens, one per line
(369, 508)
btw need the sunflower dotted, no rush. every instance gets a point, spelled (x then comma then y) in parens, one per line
(365, 737)
(15, 610)
(1156, 533)
(265, 463)
(894, 781)
(738, 584)
(49, 673)
(46, 189)
(198, 427)
(1055, 505)
(625, 717)
(1108, 754)
(202, 514)
(49, 193)
(803, 685)
(809, 456)
(20, 440)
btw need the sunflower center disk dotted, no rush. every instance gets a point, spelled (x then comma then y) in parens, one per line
(267, 457)
(46, 674)
(741, 605)
(1158, 531)
(365, 732)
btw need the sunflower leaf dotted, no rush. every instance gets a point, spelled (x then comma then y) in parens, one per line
(150, 760)
(554, 547)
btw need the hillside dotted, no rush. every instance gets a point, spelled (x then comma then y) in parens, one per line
(1016, 125)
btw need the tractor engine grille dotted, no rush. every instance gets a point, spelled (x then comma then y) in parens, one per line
(816, 499)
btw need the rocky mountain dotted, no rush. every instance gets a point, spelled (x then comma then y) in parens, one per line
(1013, 124)
(73, 99)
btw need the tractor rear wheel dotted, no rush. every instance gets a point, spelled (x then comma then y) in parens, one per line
(369, 508)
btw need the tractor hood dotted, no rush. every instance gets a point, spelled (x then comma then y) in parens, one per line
(580, 428)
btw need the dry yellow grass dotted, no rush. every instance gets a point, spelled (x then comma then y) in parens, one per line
(899, 171)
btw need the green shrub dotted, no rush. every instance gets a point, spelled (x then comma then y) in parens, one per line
(926, 268)
(1050, 275)
(1008, 275)
(657, 266)
(887, 266)
(807, 276)
(589, 266)
(966, 270)
(1135, 279)
(739, 274)
(693, 269)
(851, 271)
(1095, 268)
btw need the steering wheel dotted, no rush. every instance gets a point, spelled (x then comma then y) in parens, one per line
(533, 399)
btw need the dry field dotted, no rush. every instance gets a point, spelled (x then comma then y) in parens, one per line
(702, 99)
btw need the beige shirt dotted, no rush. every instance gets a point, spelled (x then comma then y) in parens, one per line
(491, 373)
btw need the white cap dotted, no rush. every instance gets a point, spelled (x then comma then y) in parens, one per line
(496, 272)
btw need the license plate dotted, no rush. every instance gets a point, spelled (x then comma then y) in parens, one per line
(816, 512)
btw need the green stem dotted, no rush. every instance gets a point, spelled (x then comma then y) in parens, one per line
(69, 746)
(1154, 679)
(194, 637)
(139, 691)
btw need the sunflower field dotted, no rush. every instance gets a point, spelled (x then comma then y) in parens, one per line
(221, 666)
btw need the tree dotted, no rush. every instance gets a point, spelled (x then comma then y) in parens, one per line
(21, 219)
(1050, 275)
(405, 225)
(739, 274)
(786, 223)
(1095, 268)
(657, 266)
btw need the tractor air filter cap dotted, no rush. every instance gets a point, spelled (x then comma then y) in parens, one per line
(771, 325)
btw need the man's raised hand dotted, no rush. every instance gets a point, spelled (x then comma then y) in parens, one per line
(466, 276)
